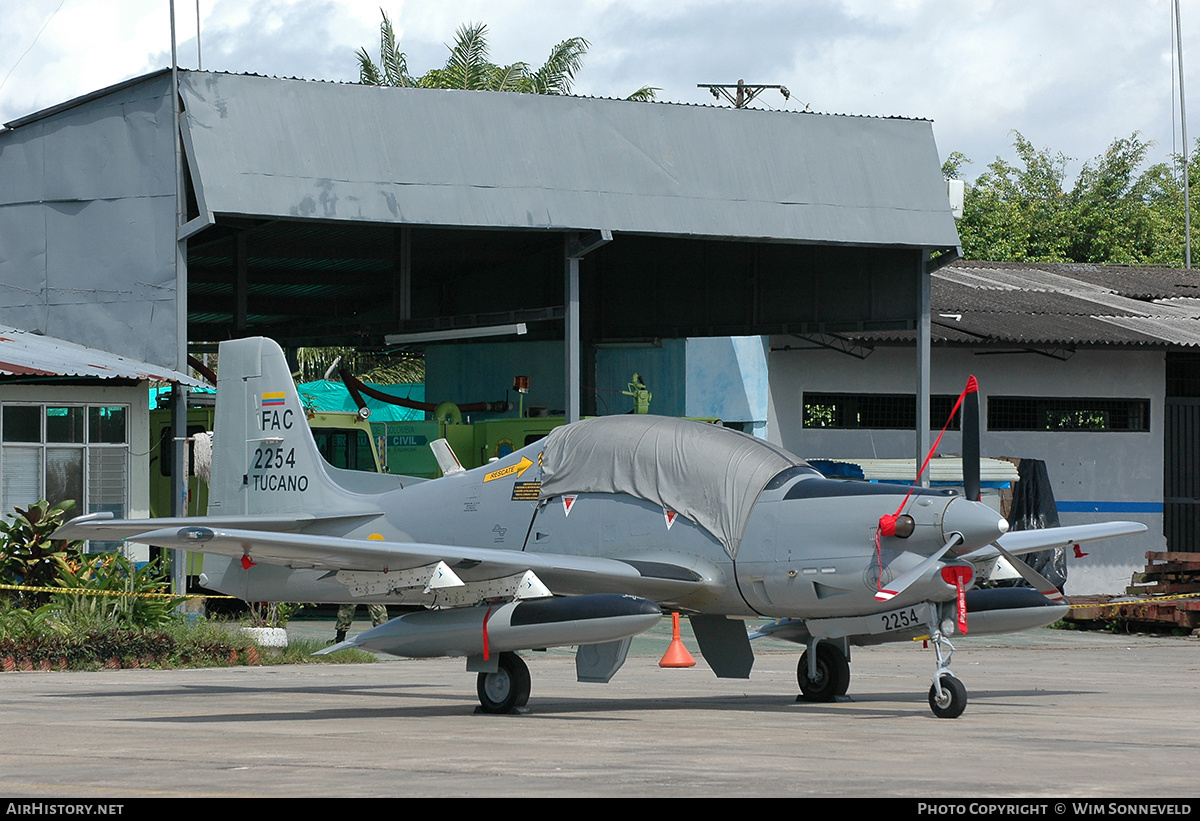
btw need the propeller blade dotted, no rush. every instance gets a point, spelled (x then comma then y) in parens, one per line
(970, 440)
(1036, 580)
(898, 585)
(1031, 541)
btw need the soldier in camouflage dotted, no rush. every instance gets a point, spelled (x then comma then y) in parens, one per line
(345, 616)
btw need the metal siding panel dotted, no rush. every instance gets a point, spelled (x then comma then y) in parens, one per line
(92, 257)
(294, 148)
(22, 166)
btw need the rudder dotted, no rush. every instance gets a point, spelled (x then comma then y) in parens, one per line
(265, 460)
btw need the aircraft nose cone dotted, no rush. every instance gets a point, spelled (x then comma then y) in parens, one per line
(978, 523)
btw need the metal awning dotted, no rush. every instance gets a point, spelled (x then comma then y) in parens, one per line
(23, 353)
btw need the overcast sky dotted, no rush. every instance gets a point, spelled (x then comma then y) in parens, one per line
(1070, 75)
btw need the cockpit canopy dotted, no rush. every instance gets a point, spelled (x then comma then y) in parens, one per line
(709, 474)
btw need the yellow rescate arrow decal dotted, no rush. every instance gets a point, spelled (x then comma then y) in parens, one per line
(512, 470)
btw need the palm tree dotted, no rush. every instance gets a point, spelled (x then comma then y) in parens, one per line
(468, 66)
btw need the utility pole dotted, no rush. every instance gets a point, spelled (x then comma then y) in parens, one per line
(743, 94)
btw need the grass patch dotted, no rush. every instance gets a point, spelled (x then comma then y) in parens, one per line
(300, 651)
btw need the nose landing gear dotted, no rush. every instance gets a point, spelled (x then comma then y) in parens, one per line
(948, 695)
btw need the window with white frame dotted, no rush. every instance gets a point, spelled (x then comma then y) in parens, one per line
(58, 451)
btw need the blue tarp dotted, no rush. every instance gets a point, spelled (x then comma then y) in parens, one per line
(325, 395)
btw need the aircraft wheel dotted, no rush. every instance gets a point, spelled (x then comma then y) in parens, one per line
(833, 674)
(506, 689)
(953, 700)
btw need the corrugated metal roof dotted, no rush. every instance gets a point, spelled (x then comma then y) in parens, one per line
(1060, 305)
(1071, 304)
(23, 353)
(289, 148)
(1129, 281)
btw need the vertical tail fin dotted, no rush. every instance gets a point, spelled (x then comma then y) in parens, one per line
(264, 457)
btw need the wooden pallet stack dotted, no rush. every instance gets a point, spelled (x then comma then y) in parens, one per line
(1163, 594)
(1167, 574)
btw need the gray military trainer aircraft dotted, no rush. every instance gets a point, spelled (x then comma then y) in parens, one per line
(585, 537)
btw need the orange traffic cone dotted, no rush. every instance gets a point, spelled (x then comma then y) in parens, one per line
(676, 655)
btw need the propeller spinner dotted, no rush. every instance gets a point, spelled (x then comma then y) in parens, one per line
(967, 523)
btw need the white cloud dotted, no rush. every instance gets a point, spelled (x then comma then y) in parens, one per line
(1069, 74)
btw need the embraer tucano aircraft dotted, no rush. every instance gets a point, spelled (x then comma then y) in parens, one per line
(585, 537)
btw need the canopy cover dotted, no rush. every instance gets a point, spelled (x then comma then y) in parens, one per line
(709, 474)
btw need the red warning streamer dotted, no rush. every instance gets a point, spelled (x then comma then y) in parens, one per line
(486, 616)
(959, 576)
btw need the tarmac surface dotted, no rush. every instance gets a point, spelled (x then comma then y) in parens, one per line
(1051, 714)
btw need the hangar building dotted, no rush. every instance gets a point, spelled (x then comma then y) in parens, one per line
(583, 235)
(323, 213)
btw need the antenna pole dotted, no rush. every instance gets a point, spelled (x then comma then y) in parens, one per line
(1187, 171)
(199, 61)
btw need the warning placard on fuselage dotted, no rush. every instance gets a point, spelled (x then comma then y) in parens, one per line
(526, 491)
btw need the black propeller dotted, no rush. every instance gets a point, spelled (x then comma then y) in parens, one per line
(970, 440)
(971, 483)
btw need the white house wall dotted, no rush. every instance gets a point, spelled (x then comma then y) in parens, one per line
(1095, 476)
(138, 400)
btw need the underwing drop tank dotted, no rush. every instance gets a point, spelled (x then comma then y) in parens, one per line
(522, 625)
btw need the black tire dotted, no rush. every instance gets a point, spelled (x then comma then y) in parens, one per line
(506, 689)
(833, 674)
(953, 701)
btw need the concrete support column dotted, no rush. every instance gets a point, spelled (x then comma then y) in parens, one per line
(571, 346)
(923, 365)
(577, 246)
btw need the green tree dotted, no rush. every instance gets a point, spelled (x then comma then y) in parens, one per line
(1016, 212)
(470, 67)
(1112, 219)
(1113, 214)
(381, 368)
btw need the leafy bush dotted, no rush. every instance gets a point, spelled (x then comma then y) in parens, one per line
(67, 639)
(53, 638)
(271, 614)
(118, 593)
(27, 554)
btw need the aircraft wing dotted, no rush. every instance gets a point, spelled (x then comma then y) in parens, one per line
(562, 574)
(104, 527)
(1031, 541)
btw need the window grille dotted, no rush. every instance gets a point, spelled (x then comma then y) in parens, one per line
(59, 451)
(874, 411)
(1061, 413)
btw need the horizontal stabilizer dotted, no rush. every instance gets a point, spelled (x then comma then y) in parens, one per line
(103, 527)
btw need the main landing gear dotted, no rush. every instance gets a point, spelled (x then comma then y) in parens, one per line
(828, 677)
(506, 689)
